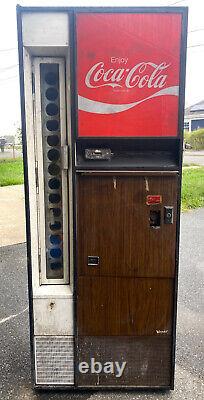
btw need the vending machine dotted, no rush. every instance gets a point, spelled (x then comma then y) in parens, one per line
(102, 100)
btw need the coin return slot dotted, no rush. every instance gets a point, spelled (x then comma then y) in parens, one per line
(155, 218)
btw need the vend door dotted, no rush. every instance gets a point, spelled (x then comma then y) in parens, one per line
(128, 171)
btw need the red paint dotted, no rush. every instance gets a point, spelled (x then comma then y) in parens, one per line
(154, 199)
(134, 38)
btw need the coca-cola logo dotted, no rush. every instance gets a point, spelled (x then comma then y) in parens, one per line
(143, 74)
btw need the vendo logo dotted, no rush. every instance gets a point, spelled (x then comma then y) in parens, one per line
(144, 74)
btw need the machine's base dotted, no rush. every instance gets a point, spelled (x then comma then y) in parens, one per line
(104, 362)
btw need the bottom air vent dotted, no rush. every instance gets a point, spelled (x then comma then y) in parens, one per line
(54, 360)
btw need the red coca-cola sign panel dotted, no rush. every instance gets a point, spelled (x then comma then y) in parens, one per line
(128, 74)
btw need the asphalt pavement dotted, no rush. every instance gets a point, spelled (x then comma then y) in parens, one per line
(15, 381)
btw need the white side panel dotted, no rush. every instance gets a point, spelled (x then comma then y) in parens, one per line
(53, 316)
(45, 29)
(52, 304)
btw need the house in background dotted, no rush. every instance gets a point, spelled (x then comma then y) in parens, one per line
(194, 117)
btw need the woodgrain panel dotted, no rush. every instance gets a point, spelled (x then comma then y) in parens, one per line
(148, 361)
(113, 223)
(124, 306)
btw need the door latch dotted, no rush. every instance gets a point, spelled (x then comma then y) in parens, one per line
(168, 215)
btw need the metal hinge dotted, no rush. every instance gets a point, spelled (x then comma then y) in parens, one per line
(65, 157)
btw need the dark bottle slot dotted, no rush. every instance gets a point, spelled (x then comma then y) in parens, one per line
(53, 155)
(52, 109)
(56, 211)
(56, 226)
(52, 125)
(55, 239)
(55, 265)
(54, 169)
(51, 94)
(54, 183)
(56, 253)
(53, 140)
(54, 198)
(51, 78)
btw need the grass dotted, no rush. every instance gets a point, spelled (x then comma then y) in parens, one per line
(192, 188)
(11, 171)
(195, 139)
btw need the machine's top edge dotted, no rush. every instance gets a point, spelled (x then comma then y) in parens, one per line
(130, 9)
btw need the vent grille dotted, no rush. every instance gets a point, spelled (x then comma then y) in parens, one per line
(54, 360)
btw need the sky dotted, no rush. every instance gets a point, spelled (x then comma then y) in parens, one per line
(9, 82)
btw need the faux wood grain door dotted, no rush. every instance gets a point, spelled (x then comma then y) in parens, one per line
(130, 291)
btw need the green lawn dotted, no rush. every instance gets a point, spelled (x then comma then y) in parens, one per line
(192, 188)
(11, 172)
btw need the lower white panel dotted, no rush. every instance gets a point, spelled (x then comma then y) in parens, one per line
(53, 316)
(54, 360)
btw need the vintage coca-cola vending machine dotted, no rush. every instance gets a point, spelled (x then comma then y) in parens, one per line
(102, 98)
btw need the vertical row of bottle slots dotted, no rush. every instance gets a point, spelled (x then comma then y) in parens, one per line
(51, 141)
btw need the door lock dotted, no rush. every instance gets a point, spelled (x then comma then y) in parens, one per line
(168, 215)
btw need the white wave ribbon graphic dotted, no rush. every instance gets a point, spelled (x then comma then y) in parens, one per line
(98, 107)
